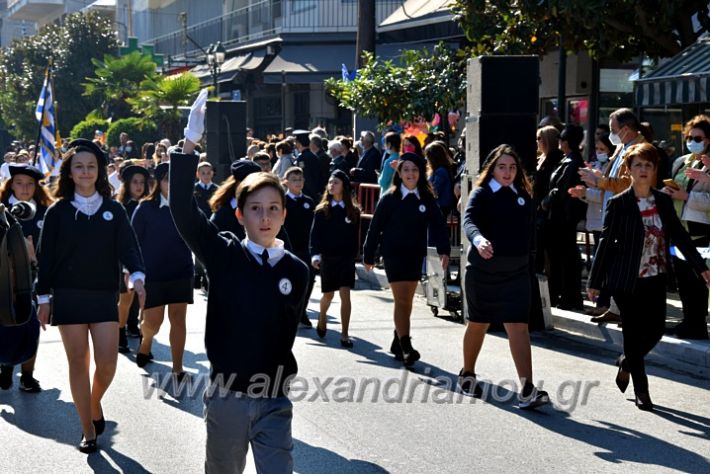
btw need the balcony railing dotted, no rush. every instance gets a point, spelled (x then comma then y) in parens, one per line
(268, 18)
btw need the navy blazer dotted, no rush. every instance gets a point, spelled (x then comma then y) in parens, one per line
(618, 258)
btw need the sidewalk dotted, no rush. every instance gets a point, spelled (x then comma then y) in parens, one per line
(689, 356)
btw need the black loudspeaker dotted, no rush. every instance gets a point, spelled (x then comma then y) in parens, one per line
(503, 85)
(225, 129)
(485, 132)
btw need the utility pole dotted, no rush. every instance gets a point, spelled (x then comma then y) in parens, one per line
(365, 29)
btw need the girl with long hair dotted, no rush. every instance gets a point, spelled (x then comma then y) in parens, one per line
(334, 240)
(439, 169)
(85, 238)
(399, 226)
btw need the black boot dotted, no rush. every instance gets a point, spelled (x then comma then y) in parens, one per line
(6, 373)
(395, 348)
(409, 354)
(123, 341)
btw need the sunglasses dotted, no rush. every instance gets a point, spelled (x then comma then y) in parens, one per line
(696, 139)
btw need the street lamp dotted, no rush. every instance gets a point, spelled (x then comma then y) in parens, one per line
(215, 59)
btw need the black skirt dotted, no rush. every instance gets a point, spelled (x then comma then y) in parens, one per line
(75, 306)
(336, 273)
(498, 289)
(161, 293)
(403, 268)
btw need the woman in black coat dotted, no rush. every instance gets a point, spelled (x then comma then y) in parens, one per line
(632, 260)
(498, 222)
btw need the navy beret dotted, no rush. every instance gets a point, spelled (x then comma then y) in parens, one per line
(243, 168)
(342, 176)
(82, 144)
(128, 172)
(414, 158)
(29, 170)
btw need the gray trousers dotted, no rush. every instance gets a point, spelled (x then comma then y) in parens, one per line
(235, 421)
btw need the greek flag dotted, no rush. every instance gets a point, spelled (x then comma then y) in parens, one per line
(44, 113)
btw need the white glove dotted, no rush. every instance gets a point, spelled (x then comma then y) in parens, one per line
(196, 120)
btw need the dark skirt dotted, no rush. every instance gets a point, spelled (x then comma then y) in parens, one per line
(498, 289)
(336, 272)
(403, 268)
(161, 293)
(76, 306)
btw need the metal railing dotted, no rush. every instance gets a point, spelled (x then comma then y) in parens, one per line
(269, 18)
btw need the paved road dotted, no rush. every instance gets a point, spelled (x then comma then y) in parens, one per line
(344, 424)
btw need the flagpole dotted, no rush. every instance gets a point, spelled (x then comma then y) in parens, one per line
(47, 76)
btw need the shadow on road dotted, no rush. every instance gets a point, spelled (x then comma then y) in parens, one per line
(313, 459)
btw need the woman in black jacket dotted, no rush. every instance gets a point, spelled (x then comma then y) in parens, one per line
(548, 160)
(632, 260)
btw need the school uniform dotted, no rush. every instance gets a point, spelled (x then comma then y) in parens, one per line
(31, 227)
(498, 289)
(225, 219)
(254, 305)
(399, 227)
(203, 194)
(82, 245)
(334, 243)
(299, 219)
(168, 261)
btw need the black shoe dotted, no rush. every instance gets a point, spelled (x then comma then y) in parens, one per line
(133, 331)
(683, 331)
(395, 348)
(622, 376)
(29, 384)
(536, 398)
(142, 359)
(643, 402)
(409, 354)
(88, 446)
(123, 341)
(99, 425)
(306, 321)
(346, 343)
(6, 372)
(468, 385)
(321, 332)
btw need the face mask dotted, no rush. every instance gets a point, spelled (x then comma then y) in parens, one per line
(602, 157)
(129, 149)
(409, 148)
(695, 147)
(615, 139)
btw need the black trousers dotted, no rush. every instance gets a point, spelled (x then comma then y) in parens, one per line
(693, 294)
(565, 278)
(312, 272)
(643, 317)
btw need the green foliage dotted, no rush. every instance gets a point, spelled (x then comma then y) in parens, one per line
(117, 79)
(426, 82)
(620, 29)
(22, 66)
(159, 99)
(87, 128)
(139, 131)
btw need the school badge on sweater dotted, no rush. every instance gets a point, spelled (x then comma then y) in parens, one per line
(422, 208)
(285, 286)
(108, 216)
(521, 201)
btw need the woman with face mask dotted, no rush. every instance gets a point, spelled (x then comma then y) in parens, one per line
(691, 199)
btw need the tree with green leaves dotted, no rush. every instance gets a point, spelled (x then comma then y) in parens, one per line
(621, 29)
(71, 46)
(423, 83)
(159, 100)
(118, 78)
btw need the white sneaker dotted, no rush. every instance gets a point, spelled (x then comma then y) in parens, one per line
(536, 399)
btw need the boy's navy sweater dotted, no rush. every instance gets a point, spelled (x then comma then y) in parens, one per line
(166, 255)
(299, 219)
(226, 221)
(501, 219)
(86, 252)
(252, 311)
(334, 236)
(400, 226)
(202, 196)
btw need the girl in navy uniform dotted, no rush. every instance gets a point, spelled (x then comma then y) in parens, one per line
(85, 238)
(25, 185)
(399, 226)
(498, 222)
(134, 187)
(169, 271)
(334, 248)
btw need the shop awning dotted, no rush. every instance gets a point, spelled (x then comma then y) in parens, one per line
(313, 63)
(232, 66)
(684, 79)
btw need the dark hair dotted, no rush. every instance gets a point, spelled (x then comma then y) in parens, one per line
(626, 118)
(699, 121)
(41, 195)
(414, 141)
(394, 140)
(64, 187)
(643, 151)
(438, 156)
(521, 181)
(284, 147)
(224, 193)
(604, 139)
(351, 207)
(573, 135)
(261, 155)
(124, 192)
(154, 194)
(147, 150)
(256, 181)
(316, 140)
(293, 170)
(422, 184)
